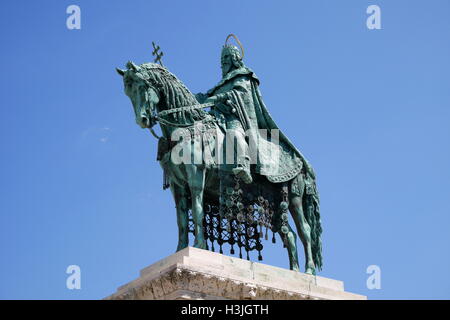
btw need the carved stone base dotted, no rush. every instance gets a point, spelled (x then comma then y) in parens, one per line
(195, 274)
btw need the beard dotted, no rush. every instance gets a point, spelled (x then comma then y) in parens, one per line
(226, 69)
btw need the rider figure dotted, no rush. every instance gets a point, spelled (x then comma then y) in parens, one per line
(234, 84)
(238, 100)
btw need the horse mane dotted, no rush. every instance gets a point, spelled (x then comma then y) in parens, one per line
(175, 93)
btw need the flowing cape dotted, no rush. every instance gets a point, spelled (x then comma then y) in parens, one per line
(290, 161)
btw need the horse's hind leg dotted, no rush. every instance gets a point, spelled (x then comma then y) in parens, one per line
(291, 246)
(196, 181)
(290, 242)
(303, 228)
(181, 201)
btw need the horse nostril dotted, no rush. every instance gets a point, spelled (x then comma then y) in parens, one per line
(144, 121)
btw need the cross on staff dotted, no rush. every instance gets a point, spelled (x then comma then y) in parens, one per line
(157, 54)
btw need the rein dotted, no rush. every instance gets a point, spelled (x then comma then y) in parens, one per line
(164, 113)
(159, 116)
(187, 108)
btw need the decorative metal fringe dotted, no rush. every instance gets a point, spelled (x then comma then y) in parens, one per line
(166, 181)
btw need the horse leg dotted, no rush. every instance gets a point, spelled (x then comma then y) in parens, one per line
(291, 246)
(196, 181)
(303, 228)
(181, 204)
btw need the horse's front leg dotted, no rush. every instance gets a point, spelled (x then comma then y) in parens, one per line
(182, 207)
(196, 181)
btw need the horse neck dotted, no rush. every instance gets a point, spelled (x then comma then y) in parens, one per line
(175, 96)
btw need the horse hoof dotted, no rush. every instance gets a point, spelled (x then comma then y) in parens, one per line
(310, 271)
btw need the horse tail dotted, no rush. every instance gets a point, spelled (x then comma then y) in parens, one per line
(312, 215)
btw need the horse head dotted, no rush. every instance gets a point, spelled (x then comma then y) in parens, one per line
(143, 95)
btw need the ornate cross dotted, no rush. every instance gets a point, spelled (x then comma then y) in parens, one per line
(157, 54)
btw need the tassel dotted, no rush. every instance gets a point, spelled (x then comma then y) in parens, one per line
(166, 182)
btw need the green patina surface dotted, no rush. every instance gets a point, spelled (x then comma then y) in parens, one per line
(228, 203)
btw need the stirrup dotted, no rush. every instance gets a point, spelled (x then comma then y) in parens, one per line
(243, 174)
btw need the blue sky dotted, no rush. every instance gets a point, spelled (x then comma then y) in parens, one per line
(370, 109)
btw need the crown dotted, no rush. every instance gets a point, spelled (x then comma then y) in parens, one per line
(232, 47)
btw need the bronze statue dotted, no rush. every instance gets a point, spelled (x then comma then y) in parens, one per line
(223, 209)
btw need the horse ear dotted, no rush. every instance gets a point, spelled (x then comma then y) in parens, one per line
(120, 71)
(131, 65)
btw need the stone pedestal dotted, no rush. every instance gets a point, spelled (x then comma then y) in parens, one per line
(195, 274)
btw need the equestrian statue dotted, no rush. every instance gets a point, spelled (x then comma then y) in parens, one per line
(232, 172)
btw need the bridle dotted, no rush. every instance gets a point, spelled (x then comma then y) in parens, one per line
(159, 116)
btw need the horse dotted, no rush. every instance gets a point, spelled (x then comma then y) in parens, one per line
(153, 90)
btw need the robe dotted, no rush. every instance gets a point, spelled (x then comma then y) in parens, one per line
(241, 105)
